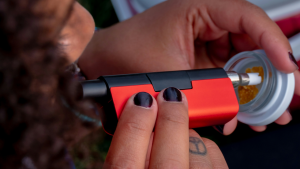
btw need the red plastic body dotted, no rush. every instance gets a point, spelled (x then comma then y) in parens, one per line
(211, 102)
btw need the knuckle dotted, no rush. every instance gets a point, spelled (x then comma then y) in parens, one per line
(193, 133)
(122, 163)
(169, 164)
(201, 165)
(209, 143)
(135, 127)
(220, 167)
(216, 155)
(174, 117)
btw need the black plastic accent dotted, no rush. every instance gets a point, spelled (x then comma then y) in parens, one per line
(98, 91)
(203, 74)
(177, 79)
(109, 118)
(126, 80)
(94, 89)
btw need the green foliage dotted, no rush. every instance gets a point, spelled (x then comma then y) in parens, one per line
(91, 151)
(102, 12)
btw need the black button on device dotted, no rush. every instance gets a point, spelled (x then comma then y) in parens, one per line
(126, 80)
(204, 74)
(162, 80)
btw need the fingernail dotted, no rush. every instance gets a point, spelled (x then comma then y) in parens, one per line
(293, 59)
(143, 99)
(220, 128)
(172, 94)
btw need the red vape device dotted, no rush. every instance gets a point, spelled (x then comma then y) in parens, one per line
(210, 94)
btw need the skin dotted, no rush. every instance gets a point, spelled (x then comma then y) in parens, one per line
(59, 16)
(77, 32)
(199, 36)
(129, 136)
(73, 31)
(171, 145)
(134, 136)
(161, 39)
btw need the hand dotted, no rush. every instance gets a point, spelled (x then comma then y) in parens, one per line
(171, 145)
(180, 35)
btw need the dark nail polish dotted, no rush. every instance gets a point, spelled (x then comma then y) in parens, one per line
(172, 94)
(143, 99)
(220, 128)
(293, 59)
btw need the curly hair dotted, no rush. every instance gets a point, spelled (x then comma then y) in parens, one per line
(33, 121)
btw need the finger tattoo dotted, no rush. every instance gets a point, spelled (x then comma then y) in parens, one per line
(197, 146)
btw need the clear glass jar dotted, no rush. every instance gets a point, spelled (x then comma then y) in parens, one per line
(274, 93)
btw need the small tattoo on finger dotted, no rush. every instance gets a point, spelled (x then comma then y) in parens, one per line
(197, 146)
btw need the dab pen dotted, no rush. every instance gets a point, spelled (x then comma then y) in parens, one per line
(210, 93)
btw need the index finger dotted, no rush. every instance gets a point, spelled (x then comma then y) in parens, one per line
(240, 16)
(170, 147)
(129, 145)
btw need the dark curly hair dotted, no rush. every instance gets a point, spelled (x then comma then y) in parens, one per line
(33, 120)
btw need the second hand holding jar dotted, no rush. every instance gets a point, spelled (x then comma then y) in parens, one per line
(273, 95)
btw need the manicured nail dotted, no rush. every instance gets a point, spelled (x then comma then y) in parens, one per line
(172, 94)
(143, 99)
(293, 59)
(220, 128)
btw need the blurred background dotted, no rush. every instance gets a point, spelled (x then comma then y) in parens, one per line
(102, 11)
(92, 150)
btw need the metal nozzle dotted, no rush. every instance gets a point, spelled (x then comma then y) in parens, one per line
(243, 79)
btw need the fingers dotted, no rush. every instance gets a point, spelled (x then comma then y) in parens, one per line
(223, 48)
(198, 152)
(242, 42)
(228, 128)
(284, 119)
(258, 128)
(131, 139)
(215, 154)
(204, 153)
(297, 82)
(170, 147)
(149, 151)
(220, 49)
(244, 17)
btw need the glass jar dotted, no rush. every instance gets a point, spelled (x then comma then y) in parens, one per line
(274, 93)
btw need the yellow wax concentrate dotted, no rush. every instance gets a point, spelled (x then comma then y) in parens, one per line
(248, 93)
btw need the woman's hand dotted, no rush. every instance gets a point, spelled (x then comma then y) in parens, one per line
(190, 34)
(171, 145)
